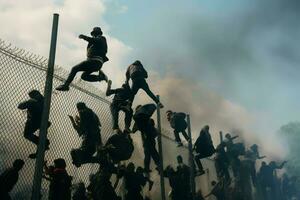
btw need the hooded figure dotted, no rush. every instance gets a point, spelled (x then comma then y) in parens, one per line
(120, 103)
(178, 123)
(88, 128)
(146, 126)
(96, 56)
(203, 147)
(34, 107)
(138, 75)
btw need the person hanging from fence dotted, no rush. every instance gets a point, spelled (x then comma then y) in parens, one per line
(204, 148)
(178, 123)
(79, 192)
(9, 178)
(252, 155)
(138, 75)
(222, 163)
(87, 126)
(119, 103)
(146, 126)
(60, 181)
(184, 174)
(96, 57)
(34, 107)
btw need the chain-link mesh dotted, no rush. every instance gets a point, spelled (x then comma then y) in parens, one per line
(21, 72)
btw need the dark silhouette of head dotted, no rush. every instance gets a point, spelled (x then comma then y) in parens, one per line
(60, 163)
(96, 31)
(179, 159)
(254, 147)
(35, 94)
(213, 183)
(206, 128)
(228, 136)
(126, 86)
(137, 62)
(80, 106)
(18, 164)
(169, 114)
(263, 163)
(140, 170)
(131, 167)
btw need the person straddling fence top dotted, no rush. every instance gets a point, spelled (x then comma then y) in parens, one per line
(87, 126)
(178, 123)
(9, 178)
(60, 181)
(34, 107)
(203, 147)
(96, 56)
(120, 102)
(146, 126)
(138, 75)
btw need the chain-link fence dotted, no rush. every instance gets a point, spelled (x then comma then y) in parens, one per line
(21, 72)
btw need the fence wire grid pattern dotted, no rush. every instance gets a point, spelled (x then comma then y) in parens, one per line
(21, 72)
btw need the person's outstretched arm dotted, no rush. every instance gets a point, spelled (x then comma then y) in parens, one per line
(25, 104)
(89, 39)
(110, 91)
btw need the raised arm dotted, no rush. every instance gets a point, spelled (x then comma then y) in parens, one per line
(89, 39)
(25, 104)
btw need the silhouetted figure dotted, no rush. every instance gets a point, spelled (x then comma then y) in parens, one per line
(217, 191)
(119, 103)
(178, 123)
(267, 178)
(60, 181)
(146, 126)
(140, 172)
(183, 172)
(96, 57)
(9, 178)
(244, 180)
(138, 75)
(222, 163)
(203, 147)
(80, 192)
(34, 107)
(87, 126)
(174, 181)
(119, 146)
(252, 155)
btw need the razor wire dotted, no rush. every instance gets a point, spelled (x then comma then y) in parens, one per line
(20, 72)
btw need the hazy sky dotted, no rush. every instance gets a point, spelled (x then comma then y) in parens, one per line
(235, 61)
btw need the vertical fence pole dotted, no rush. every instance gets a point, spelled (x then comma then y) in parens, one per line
(37, 180)
(160, 151)
(221, 136)
(191, 159)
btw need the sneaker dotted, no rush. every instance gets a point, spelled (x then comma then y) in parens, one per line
(103, 77)
(199, 172)
(150, 185)
(63, 87)
(179, 144)
(32, 156)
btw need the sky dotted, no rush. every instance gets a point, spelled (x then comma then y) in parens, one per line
(231, 64)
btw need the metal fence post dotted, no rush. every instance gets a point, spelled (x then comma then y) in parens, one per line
(221, 136)
(191, 159)
(161, 167)
(37, 181)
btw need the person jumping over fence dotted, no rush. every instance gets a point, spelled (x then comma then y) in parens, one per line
(96, 57)
(34, 107)
(9, 178)
(120, 103)
(178, 123)
(138, 75)
(204, 148)
(87, 126)
(146, 126)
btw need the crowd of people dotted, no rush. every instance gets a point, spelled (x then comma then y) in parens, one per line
(238, 178)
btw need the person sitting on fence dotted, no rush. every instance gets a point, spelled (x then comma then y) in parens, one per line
(60, 181)
(120, 102)
(204, 148)
(96, 57)
(178, 123)
(146, 126)
(222, 163)
(87, 126)
(9, 178)
(137, 73)
(183, 172)
(34, 107)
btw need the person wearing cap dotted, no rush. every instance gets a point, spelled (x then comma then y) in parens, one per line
(9, 178)
(119, 103)
(138, 75)
(88, 128)
(34, 107)
(178, 123)
(96, 56)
